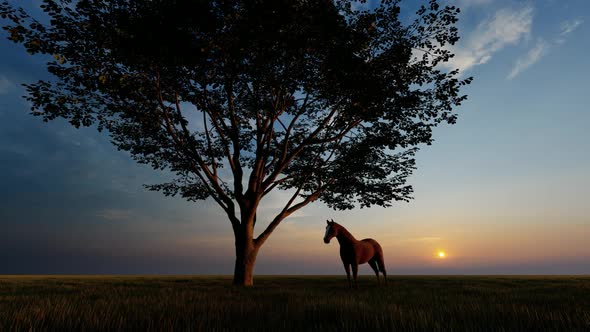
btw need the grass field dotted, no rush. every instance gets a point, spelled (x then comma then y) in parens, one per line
(188, 303)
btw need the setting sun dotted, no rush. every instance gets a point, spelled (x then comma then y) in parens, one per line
(442, 254)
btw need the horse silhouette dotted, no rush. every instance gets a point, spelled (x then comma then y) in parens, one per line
(354, 252)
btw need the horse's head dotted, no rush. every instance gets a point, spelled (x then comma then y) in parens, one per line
(331, 231)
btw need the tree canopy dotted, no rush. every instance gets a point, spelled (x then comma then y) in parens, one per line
(238, 98)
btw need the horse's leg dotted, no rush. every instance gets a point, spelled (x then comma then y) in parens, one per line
(373, 263)
(381, 264)
(355, 270)
(347, 268)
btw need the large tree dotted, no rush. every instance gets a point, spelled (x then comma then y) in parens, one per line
(321, 98)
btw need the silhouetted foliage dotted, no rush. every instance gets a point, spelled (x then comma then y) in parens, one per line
(238, 98)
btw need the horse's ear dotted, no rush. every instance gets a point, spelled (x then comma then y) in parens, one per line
(328, 222)
(332, 220)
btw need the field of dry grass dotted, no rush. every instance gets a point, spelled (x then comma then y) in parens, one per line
(193, 303)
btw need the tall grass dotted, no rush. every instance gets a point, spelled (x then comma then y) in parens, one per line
(188, 303)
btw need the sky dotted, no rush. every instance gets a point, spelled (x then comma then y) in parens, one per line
(504, 191)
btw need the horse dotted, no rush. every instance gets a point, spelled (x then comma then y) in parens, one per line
(354, 252)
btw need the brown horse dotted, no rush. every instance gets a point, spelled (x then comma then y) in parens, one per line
(354, 252)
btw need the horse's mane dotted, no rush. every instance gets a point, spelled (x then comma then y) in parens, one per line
(344, 232)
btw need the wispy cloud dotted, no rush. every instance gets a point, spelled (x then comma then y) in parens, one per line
(506, 27)
(5, 85)
(542, 47)
(357, 5)
(469, 3)
(529, 59)
(115, 214)
(568, 27)
(425, 239)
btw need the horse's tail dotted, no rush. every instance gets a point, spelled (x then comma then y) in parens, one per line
(381, 262)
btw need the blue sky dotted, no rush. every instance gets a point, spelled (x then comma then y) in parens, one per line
(502, 191)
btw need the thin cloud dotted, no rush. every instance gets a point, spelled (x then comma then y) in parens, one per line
(506, 27)
(425, 239)
(469, 3)
(5, 85)
(568, 27)
(357, 5)
(542, 47)
(412, 240)
(529, 59)
(115, 214)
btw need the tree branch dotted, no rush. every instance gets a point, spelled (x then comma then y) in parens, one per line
(235, 137)
(209, 147)
(213, 179)
(287, 211)
(284, 162)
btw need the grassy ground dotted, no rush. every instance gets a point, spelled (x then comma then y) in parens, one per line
(188, 303)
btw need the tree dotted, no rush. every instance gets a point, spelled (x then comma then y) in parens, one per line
(238, 98)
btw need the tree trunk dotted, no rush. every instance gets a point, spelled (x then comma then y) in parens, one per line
(246, 253)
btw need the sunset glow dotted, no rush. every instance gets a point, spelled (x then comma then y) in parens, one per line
(502, 191)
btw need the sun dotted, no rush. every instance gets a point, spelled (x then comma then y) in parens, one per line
(441, 254)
